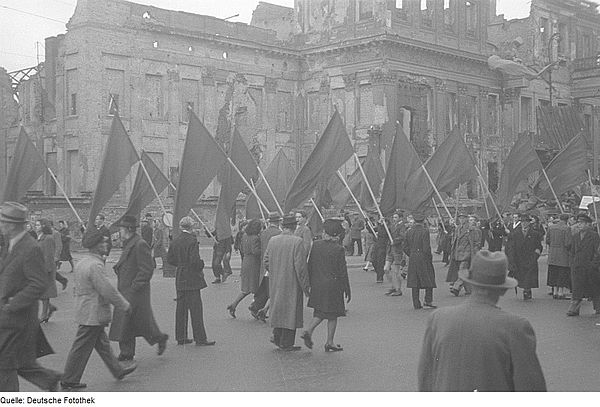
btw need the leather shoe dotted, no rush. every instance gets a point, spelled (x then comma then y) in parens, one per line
(429, 305)
(225, 276)
(185, 342)
(162, 344)
(231, 310)
(127, 370)
(72, 386)
(205, 343)
(290, 348)
(455, 292)
(216, 281)
(124, 358)
(307, 340)
(572, 313)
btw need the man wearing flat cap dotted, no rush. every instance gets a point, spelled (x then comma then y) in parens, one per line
(184, 254)
(523, 249)
(23, 280)
(475, 346)
(584, 270)
(134, 271)
(94, 296)
(285, 261)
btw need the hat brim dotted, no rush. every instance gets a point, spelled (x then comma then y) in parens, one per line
(11, 220)
(508, 283)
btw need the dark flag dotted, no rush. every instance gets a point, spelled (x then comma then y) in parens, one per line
(449, 166)
(520, 163)
(232, 184)
(119, 157)
(26, 168)
(142, 193)
(331, 152)
(375, 174)
(402, 162)
(280, 174)
(566, 170)
(201, 160)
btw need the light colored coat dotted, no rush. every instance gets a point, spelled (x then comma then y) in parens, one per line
(94, 294)
(285, 260)
(478, 347)
(466, 242)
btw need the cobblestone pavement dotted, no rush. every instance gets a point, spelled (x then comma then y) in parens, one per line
(381, 337)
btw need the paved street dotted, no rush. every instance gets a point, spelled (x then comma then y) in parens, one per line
(381, 337)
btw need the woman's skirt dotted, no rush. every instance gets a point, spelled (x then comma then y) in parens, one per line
(559, 276)
(327, 315)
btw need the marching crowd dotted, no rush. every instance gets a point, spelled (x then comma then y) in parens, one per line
(282, 262)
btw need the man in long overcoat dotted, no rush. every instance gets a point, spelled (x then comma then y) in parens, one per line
(134, 271)
(475, 346)
(524, 248)
(23, 280)
(285, 261)
(262, 294)
(466, 242)
(585, 275)
(421, 275)
(184, 253)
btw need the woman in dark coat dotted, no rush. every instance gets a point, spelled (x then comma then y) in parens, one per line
(496, 237)
(250, 273)
(45, 239)
(524, 248)
(380, 251)
(421, 274)
(328, 284)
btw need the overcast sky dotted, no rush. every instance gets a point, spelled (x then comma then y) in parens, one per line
(25, 23)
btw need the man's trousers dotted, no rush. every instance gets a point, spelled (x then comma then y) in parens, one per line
(221, 256)
(283, 337)
(87, 339)
(416, 300)
(189, 301)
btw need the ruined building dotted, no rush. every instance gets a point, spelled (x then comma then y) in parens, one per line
(422, 63)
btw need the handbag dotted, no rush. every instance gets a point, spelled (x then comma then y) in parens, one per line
(42, 346)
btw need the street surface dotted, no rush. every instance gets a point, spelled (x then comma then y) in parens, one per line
(381, 337)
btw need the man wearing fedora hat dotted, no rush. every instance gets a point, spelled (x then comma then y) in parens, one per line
(23, 280)
(285, 261)
(475, 346)
(93, 295)
(584, 268)
(134, 271)
(523, 249)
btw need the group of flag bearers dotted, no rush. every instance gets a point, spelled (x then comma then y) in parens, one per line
(408, 184)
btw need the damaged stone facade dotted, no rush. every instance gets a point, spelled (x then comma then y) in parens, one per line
(420, 63)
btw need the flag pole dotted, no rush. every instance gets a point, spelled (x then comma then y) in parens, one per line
(197, 217)
(436, 190)
(488, 191)
(362, 171)
(456, 201)
(270, 190)
(262, 213)
(439, 215)
(593, 200)
(64, 194)
(341, 177)
(162, 206)
(487, 210)
(317, 209)
(553, 192)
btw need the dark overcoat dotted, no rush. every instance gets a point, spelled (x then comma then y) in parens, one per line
(250, 272)
(328, 276)
(522, 258)
(65, 253)
(479, 347)
(23, 280)
(48, 245)
(417, 247)
(585, 276)
(134, 271)
(184, 254)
